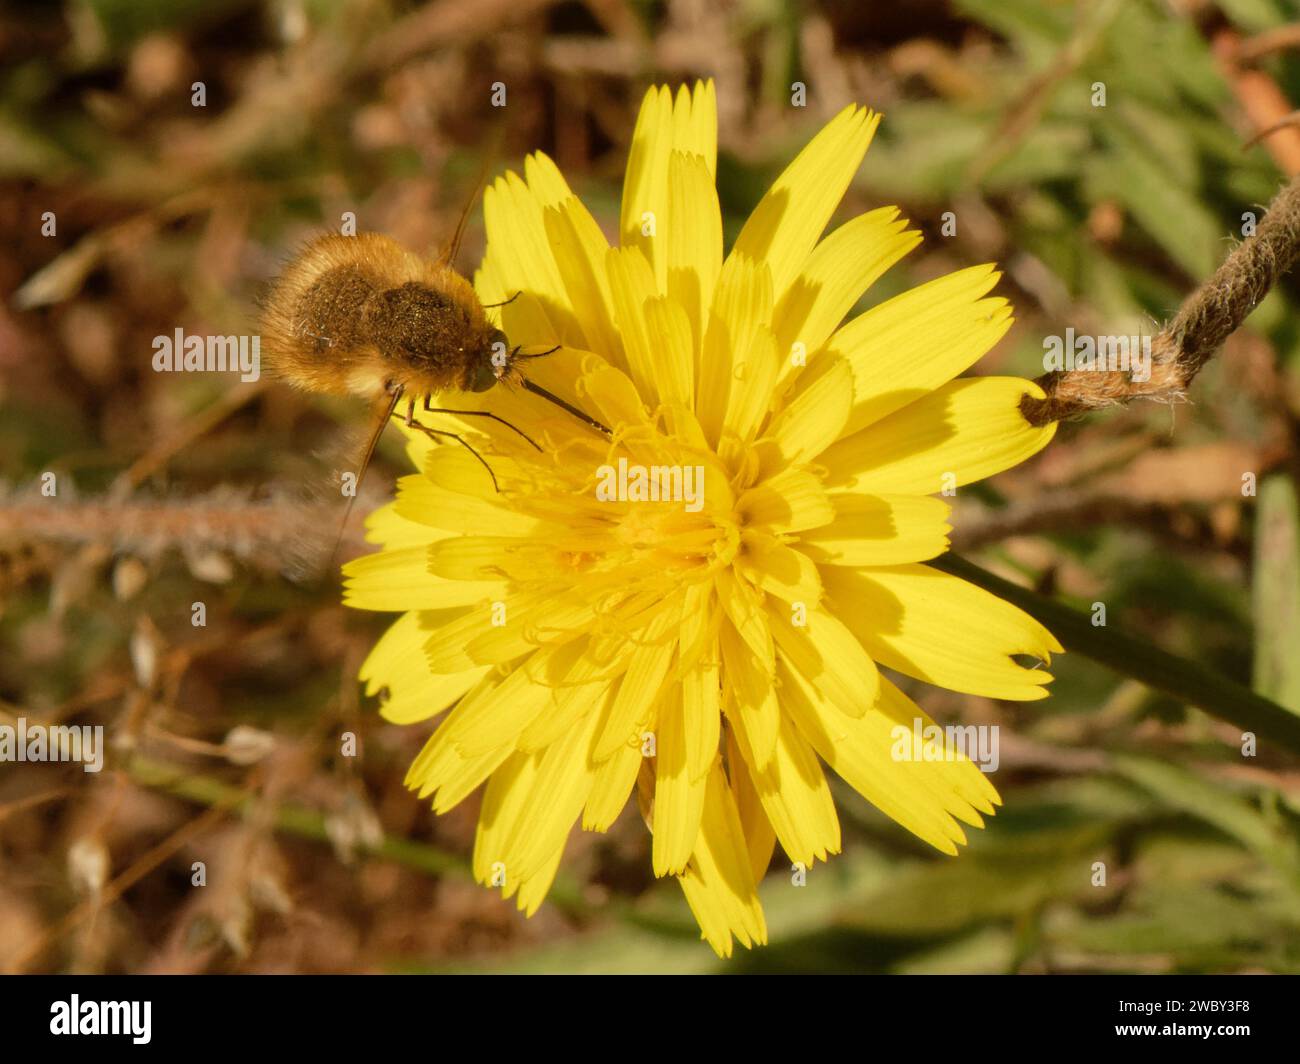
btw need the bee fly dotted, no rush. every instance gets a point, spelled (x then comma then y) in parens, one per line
(363, 316)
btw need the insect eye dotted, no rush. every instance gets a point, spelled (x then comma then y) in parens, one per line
(482, 376)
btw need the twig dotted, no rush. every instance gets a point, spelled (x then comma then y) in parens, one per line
(1071, 511)
(290, 817)
(255, 531)
(1023, 114)
(1275, 40)
(1287, 121)
(148, 464)
(114, 890)
(1262, 101)
(294, 819)
(1205, 320)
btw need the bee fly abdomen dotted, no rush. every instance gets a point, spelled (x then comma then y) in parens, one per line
(331, 315)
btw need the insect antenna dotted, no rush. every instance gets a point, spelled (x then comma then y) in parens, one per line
(504, 302)
(537, 354)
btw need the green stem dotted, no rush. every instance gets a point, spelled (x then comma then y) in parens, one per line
(1134, 656)
(293, 819)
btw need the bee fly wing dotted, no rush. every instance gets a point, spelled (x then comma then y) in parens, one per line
(330, 493)
(448, 255)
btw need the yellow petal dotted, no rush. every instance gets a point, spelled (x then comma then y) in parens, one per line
(744, 609)
(941, 629)
(514, 219)
(507, 796)
(442, 771)
(520, 313)
(584, 691)
(771, 566)
(668, 323)
(385, 527)
(760, 838)
(632, 285)
(615, 777)
(647, 169)
(614, 396)
(481, 558)
(401, 580)
(397, 664)
(581, 251)
(694, 239)
(879, 530)
(794, 794)
(702, 710)
(789, 219)
(909, 345)
(791, 501)
(530, 616)
(742, 300)
(634, 703)
(506, 802)
(689, 125)
(497, 716)
(965, 431)
(544, 180)
(495, 633)
(837, 273)
(555, 798)
(922, 796)
(813, 421)
(679, 797)
(697, 134)
(824, 649)
(754, 367)
(533, 890)
(750, 700)
(719, 881)
(426, 503)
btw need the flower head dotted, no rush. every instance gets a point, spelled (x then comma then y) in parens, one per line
(694, 608)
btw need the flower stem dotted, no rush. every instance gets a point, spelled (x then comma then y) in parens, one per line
(1134, 656)
(307, 823)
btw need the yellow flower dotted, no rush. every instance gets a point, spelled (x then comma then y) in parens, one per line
(712, 648)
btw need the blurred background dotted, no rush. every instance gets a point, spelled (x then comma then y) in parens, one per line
(224, 740)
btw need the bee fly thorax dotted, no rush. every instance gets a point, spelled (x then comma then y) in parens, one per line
(417, 324)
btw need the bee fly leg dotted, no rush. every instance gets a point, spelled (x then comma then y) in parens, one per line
(434, 434)
(478, 413)
(504, 303)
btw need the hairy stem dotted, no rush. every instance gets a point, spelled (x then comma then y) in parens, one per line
(1207, 317)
